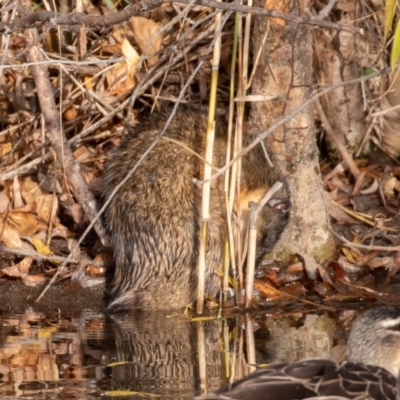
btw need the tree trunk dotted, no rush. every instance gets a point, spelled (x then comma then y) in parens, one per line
(285, 71)
(340, 56)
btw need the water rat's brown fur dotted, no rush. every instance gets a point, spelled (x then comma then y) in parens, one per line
(154, 219)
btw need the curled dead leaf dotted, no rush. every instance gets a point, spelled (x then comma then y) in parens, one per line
(16, 271)
(25, 265)
(122, 76)
(33, 280)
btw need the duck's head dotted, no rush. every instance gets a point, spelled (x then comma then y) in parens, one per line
(375, 339)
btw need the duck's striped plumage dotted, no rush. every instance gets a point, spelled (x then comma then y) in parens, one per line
(371, 373)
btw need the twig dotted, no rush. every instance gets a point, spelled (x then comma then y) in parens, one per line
(364, 246)
(143, 7)
(58, 141)
(261, 136)
(36, 255)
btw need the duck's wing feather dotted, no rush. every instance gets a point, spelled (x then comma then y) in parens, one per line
(311, 379)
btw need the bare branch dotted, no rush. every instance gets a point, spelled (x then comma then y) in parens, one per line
(143, 7)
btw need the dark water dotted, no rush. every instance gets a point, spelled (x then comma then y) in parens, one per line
(90, 355)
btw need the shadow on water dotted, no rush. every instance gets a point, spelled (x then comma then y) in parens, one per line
(90, 355)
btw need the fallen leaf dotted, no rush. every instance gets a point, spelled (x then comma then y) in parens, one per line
(12, 272)
(394, 266)
(33, 280)
(122, 77)
(4, 201)
(25, 265)
(30, 190)
(9, 236)
(146, 36)
(17, 193)
(47, 205)
(268, 291)
(23, 223)
(40, 247)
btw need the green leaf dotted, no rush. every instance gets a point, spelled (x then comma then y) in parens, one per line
(367, 71)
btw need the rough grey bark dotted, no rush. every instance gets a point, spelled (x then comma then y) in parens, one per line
(285, 71)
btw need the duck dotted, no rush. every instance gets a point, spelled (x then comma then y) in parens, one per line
(371, 372)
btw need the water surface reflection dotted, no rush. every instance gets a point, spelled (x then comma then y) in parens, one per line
(87, 354)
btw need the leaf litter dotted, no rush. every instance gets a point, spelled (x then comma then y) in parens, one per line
(40, 217)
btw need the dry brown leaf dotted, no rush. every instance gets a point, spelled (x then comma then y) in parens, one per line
(324, 274)
(23, 223)
(336, 212)
(17, 193)
(16, 271)
(146, 36)
(295, 289)
(278, 5)
(12, 272)
(360, 181)
(310, 264)
(9, 236)
(47, 206)
(336, 183)
(70, 113)
(349, 255)
(89, 83)
(389, 184)
(30, 190)
(4, 201)
(89, 176)
(28, 208)
(393, 267)
(33, 280)
(378, 262)
(119, 34)
(268, 291)
(25, 265)
(76, 212)
(61, 231)
(5, 148)
(365, 258)
(82, 153)
(122, 77)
